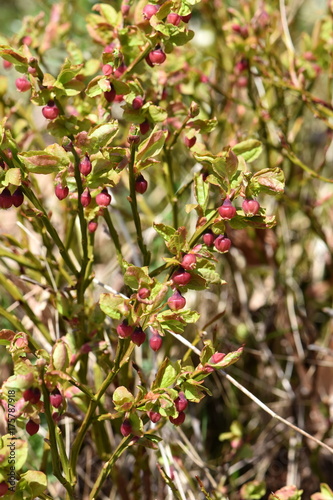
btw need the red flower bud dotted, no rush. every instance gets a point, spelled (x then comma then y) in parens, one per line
(178, 420)
(222, 244)
(176, 301)
(250, 207)
(227, 211)
(155, 342)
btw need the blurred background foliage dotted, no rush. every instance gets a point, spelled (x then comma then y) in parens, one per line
(278, 300)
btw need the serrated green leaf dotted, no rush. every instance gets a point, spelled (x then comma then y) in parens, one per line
(253, 490)
(270, 180)
(167, 374)
(167, 232)
(68, 71)
(32, 481)
(40, 162)
(101, 135)
(258, 221)
(325, 493)
(182, 37)
(137, 276)
(201, 191)
(151, 146)
(12, 176)
(211, 276)
(193, 390)
(177, 242)
(93, 89)
(120, 87)
(122, 398)
(157, 114)
(249, 150)
(15, 57)
(286, 493)
(113, 305)
(207, 352)
(109, 13)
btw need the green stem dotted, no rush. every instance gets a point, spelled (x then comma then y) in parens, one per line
(171, 188)
(107, 467)
(134, 207)
(58, 459)
(146, 49)
(199, 232)
(119, 361)
(20, 259)
(293, 158)
(14, 321)
(70, 231)
(84, 231)
(51, 230)
(114, 236)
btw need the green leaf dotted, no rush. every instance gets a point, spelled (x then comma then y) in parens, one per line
(249, 150)
(110, 15)
(325, 493)
(152, 146)
(165, 28)
(120, 87)
(205, 126)
(229, 359)
(211, 276)
(15, 57)
(258, 221)
(217, 162)
(167, 374)
(137, 276)
(193, 390)
(67, 73)
(58, 151)
(190, 316)
(167, 232)
(207, 352)
(268, 180)
(93, 89)
(176, 321)
(197, 282)
(104, 84)
(164, 10)
(74, 87)
(122, 398)
(177, 242)
(286, 493)
(182, 37)
(21, 451)
(101, 135)
(157, 114)
(173, 325)
(40, 162)
(113, 305)
(32, 481)
(13, 176)
(201, 191)
(253, 490)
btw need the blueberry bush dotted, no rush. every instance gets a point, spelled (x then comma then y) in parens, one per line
(166, 199)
